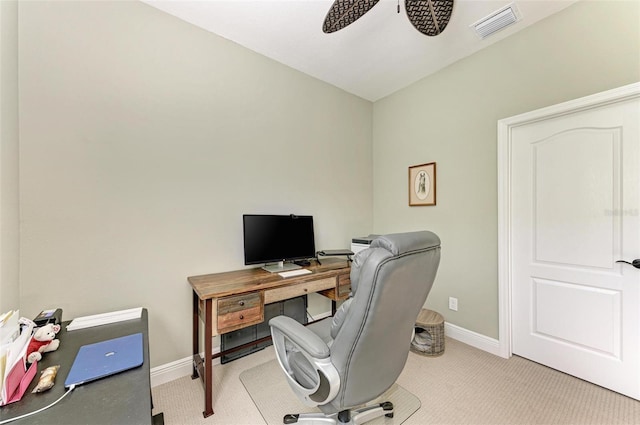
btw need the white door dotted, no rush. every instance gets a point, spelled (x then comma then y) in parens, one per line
(575, 210)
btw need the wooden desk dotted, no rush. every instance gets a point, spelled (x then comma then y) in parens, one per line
(229, 301)
(124, 398)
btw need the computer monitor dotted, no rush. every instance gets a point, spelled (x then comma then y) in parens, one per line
(278, 239)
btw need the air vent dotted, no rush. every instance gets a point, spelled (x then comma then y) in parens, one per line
(496, 21)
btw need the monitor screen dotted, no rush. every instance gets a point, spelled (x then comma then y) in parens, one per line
(274, 238)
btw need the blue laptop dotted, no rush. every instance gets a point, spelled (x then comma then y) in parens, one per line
(106, 358)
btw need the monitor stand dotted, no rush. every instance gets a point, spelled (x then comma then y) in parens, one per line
(280, 266)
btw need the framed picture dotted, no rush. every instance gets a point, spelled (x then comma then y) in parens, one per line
(422, 184)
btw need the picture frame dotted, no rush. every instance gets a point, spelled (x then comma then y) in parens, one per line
(422, 184)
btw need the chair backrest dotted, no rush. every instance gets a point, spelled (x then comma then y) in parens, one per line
(390, 282)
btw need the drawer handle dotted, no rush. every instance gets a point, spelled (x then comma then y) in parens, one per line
(241, 302)
(241, 317)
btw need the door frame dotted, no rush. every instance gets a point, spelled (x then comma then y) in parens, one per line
(505, 142)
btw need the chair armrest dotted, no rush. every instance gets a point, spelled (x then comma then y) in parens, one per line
(290, 336)
(308, 341)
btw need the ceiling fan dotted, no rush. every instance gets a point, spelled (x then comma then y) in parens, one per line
(430, 17)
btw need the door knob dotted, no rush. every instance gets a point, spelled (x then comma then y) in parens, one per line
(635, 263)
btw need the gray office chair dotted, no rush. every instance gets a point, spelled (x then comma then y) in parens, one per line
(346, 361)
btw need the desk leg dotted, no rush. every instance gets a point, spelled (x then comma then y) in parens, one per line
(195, 326)
(208, 354)
(202, 367)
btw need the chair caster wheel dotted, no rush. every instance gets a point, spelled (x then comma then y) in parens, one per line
(386, 406)
(290, 419)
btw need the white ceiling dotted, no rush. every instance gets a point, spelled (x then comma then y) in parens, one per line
(375, 56)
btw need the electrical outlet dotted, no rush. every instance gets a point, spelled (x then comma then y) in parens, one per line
(453, 304)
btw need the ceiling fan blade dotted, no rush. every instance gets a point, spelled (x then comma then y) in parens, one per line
(430, 17)
(345, 12)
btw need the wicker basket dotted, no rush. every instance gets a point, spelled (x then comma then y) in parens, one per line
(429, 336)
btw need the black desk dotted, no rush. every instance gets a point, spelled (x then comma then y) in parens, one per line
(124, 398)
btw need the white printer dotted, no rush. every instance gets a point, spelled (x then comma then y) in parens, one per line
(358, 244)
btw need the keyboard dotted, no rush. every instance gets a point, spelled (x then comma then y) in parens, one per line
(296, 272)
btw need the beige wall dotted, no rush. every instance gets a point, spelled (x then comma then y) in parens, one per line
(451, 118)
(143, 141)
(9, 206)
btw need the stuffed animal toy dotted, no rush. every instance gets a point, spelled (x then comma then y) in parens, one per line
(43, 341)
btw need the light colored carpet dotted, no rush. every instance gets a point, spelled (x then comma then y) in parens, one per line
(463, 386)
(270, 392)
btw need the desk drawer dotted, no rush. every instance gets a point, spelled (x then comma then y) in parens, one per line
(240, 311)
(344, 285)
(297, 289)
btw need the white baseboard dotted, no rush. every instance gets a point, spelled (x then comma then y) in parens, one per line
(474, 339)
(176, 369)
(320, 316)
(183, 367)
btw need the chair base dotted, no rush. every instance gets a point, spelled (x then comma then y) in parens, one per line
(346, 417)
